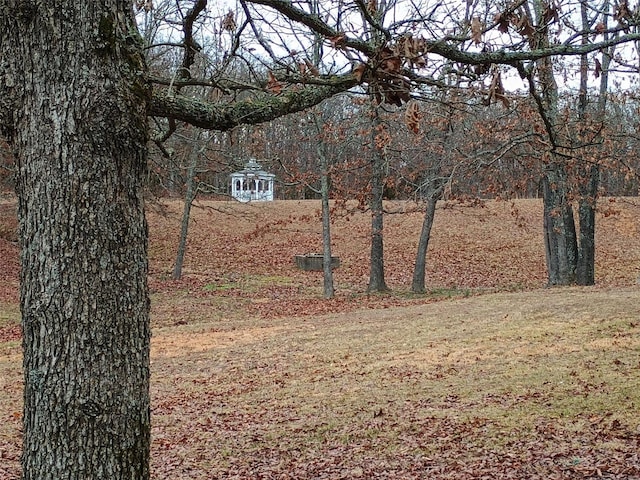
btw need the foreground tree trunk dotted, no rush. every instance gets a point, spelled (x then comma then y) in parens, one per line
(79, 133)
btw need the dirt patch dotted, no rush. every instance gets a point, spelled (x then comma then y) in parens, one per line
(174, 344)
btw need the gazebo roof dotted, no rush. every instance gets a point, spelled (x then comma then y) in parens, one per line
(253, 168)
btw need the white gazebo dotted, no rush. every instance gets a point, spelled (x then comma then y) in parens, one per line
(252, 183)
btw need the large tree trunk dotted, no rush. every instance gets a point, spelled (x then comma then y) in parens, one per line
(80, 134)
(559, 228)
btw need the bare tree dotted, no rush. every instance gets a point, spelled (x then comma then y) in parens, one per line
(194, 152)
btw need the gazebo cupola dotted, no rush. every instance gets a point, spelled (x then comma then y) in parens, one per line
(252, 183)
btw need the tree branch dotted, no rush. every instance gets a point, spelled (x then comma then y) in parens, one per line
(442, 47)
(224, 117)
(190, 45)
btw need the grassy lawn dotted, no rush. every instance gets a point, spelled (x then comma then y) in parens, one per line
(489, 376)
(542, 384)
(522, 385)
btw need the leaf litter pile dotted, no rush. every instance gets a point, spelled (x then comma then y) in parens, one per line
(488, 375)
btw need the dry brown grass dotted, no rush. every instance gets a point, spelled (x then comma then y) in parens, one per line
(529, 384)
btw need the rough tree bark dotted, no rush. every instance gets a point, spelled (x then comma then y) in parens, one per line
(376, 274)
(558, 222)
(586, 261)
(79, 132)
(559, 227)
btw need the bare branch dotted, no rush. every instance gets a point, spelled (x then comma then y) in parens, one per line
(257, 110)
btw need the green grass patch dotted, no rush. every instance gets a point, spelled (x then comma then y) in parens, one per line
(9, 315)
(249, 283)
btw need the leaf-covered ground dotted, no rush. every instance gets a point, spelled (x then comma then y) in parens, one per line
(490, 375)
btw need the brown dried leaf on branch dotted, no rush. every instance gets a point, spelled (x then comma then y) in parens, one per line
(412, 49)
(273, 85)
(388, 60)
(307, 69)
(502, 19)
(476, 30)
(312, 68)
(412, 117)
(385, 70)
(622, 12)
(524, 27)
(393, 91)
(228, 22)
(338, 40)
(496, 91)
(358, 71)
(391, 64)
(385, 78)
(598, 70)
(551, 13)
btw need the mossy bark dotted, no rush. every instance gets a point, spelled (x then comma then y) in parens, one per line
(79, 132)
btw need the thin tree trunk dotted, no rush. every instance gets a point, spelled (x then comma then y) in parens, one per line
(376, 276)
(189, 196)
(328, 288)
(588, 181)
(585, 272)
(419, 271)
(325, 190)
(80, 137)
